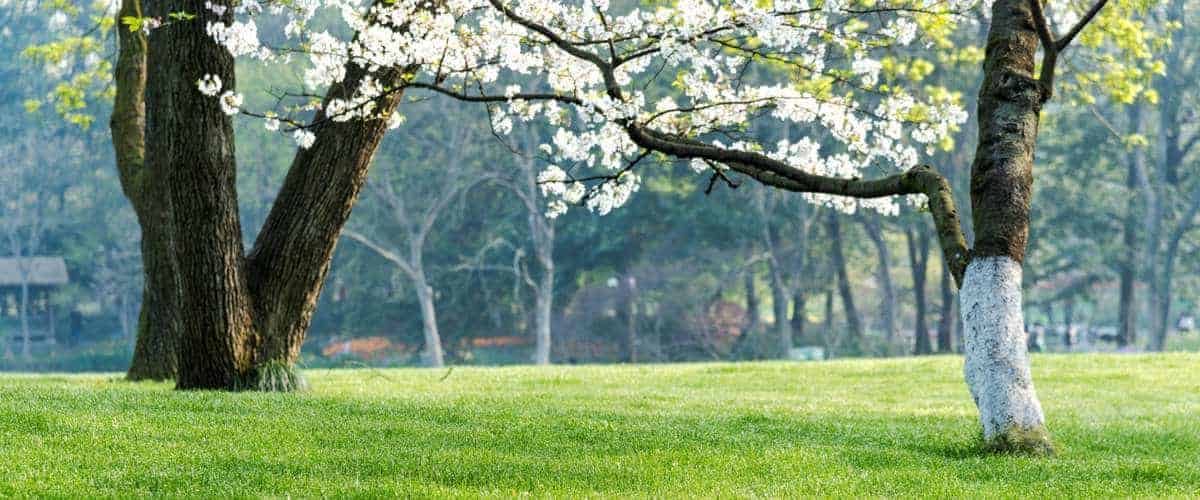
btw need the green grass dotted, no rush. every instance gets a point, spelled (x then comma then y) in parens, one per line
(1124, 425)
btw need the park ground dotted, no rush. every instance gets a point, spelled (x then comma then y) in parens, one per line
(1124, 424)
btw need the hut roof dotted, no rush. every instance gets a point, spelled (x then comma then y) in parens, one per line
(41, 271)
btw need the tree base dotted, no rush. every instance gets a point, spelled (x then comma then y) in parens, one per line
(274, 376)
(1033, 442)
(138, 374)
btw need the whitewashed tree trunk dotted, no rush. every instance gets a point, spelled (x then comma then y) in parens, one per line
(997, 364)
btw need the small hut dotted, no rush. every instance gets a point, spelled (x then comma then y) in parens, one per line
(41, 276)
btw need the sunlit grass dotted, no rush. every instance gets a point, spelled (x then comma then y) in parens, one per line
(1124, 425)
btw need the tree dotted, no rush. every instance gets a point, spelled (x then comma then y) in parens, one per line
(918, 259)
(411, 211)
(159, 327)
(591, 60)
(887, 309)
(245, 316)
(1172, 195)
(523, 183)
(851, 342)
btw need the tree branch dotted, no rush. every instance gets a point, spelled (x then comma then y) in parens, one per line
(495, 98)
(1087, 18)
(1043, 27)
(387, 254)
(921, 179)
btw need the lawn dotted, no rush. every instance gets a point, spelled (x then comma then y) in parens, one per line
(1124, 424)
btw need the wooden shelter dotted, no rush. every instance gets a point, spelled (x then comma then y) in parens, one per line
(41, 276)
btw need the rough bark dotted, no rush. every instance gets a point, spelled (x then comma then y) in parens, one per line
(291, 256)
(154, 356)
(158, 326)
(190, 141)
(244, 318)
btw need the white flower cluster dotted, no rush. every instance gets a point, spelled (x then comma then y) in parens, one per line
(230, 101)
(689, 60)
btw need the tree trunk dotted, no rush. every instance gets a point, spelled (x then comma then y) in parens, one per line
(543, 315)
(543, 232)
(433, 340)
(997, 366)
(828, 335)
(799, 304)
(190, 141)
(244, 318)
(26, 352)
(1069, 323)
(154, 356)
(949, 315)
(887, 308)
(1126, 309)
(918, 257)
(752, 317)
(1158, 341)
(630, 306)
(291, 256)
(854, 329)
(154, 353)
(779, 306)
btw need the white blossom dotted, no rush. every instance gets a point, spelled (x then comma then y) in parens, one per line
(231, 102)
(684, 77)
(210, 85)
(304, 138)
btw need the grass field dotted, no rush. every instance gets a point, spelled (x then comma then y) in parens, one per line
(1125, 425)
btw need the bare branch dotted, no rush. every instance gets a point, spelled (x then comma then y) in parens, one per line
(380, 250)
(496, 98)
(1087, 18)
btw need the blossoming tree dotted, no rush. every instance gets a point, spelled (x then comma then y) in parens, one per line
(625, 86)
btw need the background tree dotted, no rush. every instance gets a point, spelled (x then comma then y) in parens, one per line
(410, 211)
